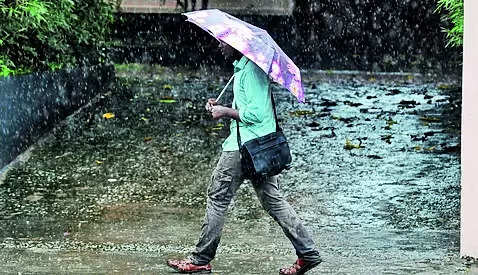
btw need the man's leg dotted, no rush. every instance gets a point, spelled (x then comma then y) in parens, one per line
(269, 195)
(225, 181)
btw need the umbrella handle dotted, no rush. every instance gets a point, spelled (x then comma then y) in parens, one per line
(225, 87)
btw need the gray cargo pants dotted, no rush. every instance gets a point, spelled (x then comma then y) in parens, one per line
(225, 181)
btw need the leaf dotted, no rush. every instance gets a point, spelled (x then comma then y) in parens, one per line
(108, 115)
(167, 86)
(218, 127)
(167, 100)
(429, 119)
(301, 113)
(391, 122)
(349, 145)
(444, 86)
(35, 197)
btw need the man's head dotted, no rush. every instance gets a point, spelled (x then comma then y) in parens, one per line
(228, 52)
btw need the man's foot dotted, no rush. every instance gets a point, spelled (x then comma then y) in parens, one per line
(186, 266)
(299, 267)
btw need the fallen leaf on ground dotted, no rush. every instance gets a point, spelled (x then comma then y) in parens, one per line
(301, 113)
(108, 115)
(429, 119)
(34, 198)
(349, 145)
(167, 100)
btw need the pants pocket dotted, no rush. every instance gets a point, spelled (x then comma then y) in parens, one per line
(220, 185)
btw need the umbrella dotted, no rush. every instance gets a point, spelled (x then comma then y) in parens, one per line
(253, 42)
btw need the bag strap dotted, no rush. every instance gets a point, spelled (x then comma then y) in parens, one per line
(275, 117)
(274, 108)
(238, 133)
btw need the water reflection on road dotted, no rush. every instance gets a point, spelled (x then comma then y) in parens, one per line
(395, 198)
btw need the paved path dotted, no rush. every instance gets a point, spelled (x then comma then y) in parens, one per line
(124, 194)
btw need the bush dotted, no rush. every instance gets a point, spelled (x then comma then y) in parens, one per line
(37, 35)
(456, 15)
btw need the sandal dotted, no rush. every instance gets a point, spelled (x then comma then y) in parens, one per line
(186, 266)
(299, 267)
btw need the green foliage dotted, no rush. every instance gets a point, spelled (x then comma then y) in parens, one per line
(5, 65)
(38, 35)
(455, 17)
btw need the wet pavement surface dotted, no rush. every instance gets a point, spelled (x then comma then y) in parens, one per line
(375, 177)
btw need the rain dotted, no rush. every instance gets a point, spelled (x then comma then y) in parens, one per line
(107, 150)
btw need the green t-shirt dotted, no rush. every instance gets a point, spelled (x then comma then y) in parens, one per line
(253, 99)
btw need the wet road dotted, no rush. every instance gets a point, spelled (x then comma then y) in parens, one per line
(375, 177)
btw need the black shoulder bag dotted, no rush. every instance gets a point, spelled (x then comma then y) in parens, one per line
(264, 156)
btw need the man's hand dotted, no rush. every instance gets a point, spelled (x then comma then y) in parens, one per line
(218, 111)
(210, 103)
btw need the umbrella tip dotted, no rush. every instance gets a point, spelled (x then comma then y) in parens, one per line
(301, 98)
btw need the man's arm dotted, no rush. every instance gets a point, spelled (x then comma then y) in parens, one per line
(219, 111)
(258, 104)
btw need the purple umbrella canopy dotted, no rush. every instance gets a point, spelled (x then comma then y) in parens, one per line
(253, 42)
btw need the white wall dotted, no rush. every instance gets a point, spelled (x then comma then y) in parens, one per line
(275, 7)
(469, 136)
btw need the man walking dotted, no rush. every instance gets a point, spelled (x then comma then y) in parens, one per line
(253, 111)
